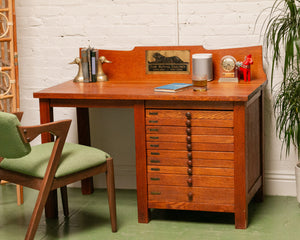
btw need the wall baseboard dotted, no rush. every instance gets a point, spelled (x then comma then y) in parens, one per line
(280, 183)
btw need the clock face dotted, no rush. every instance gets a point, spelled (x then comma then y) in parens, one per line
(228, 63)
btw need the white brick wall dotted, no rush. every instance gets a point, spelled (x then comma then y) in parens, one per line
(51, 32)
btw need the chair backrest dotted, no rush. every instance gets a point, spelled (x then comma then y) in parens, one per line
(11, 143)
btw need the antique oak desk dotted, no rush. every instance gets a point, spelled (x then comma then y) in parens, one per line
(194, 150)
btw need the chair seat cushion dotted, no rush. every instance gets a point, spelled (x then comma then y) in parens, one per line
(75, 158)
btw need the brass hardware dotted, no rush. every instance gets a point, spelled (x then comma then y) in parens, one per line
(155, 161)
(79, 77)
(28, 139)
(155, 153)
(154, 179)
(151, 137)
(189, 182)
(155, 193)
(190, 171)
(188, 123)
(155, 169)
(153, 121)
(189, 163)
(189, 147)
(154, 145)
(101, 76)
(188, 131)
(153, 130)
(189, 155)
(188, 139)
(153, 113)
(188, 115)
(190, 196)
(25, 131)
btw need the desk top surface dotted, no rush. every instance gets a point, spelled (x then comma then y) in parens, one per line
(110, 90)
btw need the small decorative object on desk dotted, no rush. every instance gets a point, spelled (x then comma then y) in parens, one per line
(173, 87)
(244, 68)
(202, 71)
(79, 76)
(228, 69)
(101, 76)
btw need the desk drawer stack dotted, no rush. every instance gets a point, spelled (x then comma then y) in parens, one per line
(190, 159)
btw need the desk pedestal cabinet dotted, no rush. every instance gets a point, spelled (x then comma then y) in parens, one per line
(190, 158)
(204, 156)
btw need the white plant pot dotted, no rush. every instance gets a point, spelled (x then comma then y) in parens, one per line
(297, 173)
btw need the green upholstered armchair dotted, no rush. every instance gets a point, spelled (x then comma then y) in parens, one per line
(49, 166)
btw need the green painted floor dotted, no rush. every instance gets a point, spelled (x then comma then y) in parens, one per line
(277, 218)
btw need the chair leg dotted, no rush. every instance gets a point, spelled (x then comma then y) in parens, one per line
(64, 198)
(37, 213)
(20, 198)
(110, 182)
(19, 190)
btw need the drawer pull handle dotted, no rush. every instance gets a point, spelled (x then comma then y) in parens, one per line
(190, 171)
(190, 156)
(155, 193)
(190, 196)
(188, 139)
(155, 161)
(189, 163)
(155, 169)
(154, 145)
(190, 182)
(154, 179)
(153, 130)
(155, 153)
(188, 131)
(189, 147)
(152, 137)
(153, 121)
(188, 115)
(188, 123)
(153, 113)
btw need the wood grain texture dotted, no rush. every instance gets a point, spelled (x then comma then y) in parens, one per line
(219, 92)
(240, 172)
(197, 180)
(220, 129)
(127, 71)
(141, 166)
(182, 130)
(196, 154)
(83, 129)
(214, 163)
(200, 194)
(195, 170)
(136, 59)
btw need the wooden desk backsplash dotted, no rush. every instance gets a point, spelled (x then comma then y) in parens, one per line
(130, 66)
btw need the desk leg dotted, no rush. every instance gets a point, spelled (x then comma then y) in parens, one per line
(141, 162)
(240, 183)
(46, 116)
(83, 128)
(259, 196)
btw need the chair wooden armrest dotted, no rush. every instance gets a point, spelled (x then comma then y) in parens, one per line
(19, 115)
(59, 129)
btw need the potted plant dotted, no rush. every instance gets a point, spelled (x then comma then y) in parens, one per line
(282, 41)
